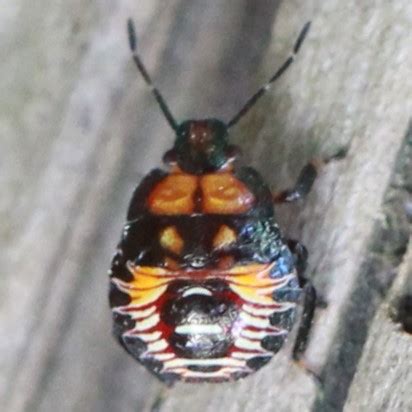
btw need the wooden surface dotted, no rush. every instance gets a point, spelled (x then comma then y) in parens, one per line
(78, 129)
(383, 379)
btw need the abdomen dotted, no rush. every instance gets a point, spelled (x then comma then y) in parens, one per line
(205, 294)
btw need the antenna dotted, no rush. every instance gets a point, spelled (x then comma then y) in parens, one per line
(251, 102)
(142, 69)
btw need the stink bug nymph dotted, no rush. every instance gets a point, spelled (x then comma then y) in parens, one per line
(203, 286)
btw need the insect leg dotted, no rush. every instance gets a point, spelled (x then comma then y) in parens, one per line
(309, 299)
(300, 253)
(305, 180)
(309, 305)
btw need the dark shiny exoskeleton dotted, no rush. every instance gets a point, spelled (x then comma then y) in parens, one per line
(203, 285)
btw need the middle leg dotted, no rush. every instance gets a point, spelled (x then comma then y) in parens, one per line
(305, 180)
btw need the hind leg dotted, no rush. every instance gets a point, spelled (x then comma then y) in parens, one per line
(309, 299)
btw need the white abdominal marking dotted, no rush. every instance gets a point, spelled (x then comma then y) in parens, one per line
(251, 325)
(192, 329)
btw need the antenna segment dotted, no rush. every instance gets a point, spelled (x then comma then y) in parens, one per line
(142, 69)
(251, 102)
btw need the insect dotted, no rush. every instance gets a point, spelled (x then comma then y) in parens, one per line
(204, 287)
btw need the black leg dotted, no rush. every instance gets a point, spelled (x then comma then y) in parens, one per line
(309, 305)
(300, 254)
(309, 299)
(301, 341)
(306, 179)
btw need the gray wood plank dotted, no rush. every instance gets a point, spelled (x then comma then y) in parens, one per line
(344, 88)
(79, 129)
(58, 352)
(383, 379)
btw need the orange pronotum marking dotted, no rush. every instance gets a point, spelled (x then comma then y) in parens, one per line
(224, 194)
(173, 195)
(221, 193)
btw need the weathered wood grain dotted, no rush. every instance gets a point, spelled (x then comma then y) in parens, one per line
(383, 379)
(88, 147)
(78, 129)
(345, 89)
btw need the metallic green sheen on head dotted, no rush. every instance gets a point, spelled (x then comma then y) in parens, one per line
(201, 146)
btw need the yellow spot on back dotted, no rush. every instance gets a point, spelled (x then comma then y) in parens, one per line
(224, 237)
(171, 240)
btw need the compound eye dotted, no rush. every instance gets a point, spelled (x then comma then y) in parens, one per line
(232, 152)
(170, 157)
